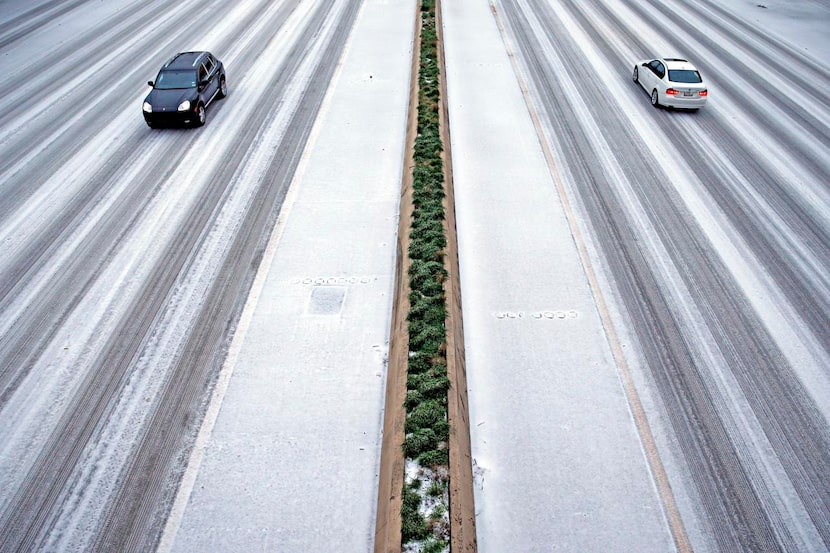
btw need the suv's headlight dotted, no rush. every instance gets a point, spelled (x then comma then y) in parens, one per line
(147, 107)
(184, 106)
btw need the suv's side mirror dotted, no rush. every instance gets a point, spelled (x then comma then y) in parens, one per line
(202, 84)
(151, 83)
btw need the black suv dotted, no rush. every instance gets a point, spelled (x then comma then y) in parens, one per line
(185, 86)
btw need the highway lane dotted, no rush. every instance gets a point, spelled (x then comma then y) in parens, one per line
(712, 233)
(127, 253)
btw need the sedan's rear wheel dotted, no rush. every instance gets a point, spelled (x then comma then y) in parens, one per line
(655, 99)
(201, 115)
(636, 74)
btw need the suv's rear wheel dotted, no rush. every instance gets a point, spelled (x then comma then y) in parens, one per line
(223, 88)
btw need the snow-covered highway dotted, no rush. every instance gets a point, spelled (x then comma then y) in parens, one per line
(705, 240)
(128, 253)
(194, 323)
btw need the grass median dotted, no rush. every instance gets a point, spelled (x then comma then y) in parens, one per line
(425, 511)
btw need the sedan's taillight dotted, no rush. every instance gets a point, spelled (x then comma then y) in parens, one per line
(671, 92)
(704, 93)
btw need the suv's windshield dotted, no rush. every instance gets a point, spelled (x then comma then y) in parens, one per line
(684, 76)
(176, 79)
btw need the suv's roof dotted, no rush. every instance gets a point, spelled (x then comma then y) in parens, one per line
(185, 60)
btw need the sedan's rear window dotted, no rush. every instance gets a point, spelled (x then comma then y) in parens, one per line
(684, 76)
(176, 79)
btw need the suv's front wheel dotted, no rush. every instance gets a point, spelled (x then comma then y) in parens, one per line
(201, 115)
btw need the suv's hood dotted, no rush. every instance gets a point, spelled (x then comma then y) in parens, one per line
(169, 100)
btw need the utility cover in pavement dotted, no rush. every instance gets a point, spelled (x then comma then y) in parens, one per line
(326, 300)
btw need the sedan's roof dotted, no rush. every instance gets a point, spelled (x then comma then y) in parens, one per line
(678, 63)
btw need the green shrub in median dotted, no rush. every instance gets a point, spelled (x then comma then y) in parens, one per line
(426, 523)
(414, 525)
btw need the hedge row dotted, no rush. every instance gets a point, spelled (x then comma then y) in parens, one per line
(424, 511)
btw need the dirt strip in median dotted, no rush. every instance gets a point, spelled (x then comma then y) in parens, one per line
(462, 508)
(391, 474)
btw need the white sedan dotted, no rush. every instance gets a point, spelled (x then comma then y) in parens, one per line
(672, 82)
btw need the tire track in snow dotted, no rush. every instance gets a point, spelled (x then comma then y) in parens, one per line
(32, 20)
(779, 400)
(95, 399)
(782, 404)
(786, 228)
(674, 370)
(60, 118)
(86, 187)
(184, 395)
